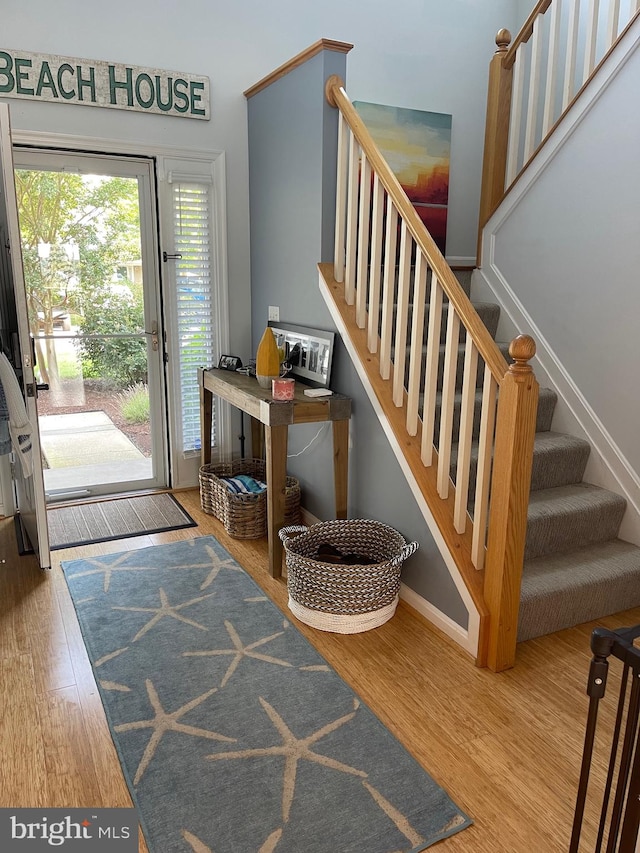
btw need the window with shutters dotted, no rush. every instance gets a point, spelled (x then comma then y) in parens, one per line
(194, 297)
(195, 301)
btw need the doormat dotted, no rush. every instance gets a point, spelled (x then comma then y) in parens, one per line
(82, 524)
(233, 733)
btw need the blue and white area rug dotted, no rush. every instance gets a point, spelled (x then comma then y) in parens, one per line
(234, 734)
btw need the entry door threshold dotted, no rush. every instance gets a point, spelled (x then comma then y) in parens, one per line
(68, 494)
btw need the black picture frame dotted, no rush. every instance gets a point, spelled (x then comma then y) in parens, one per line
(307, 351)
(229, 362)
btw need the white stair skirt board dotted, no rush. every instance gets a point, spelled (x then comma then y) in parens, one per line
(468, 639)
(607, 466)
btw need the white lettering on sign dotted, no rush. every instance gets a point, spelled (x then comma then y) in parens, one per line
(62, 79)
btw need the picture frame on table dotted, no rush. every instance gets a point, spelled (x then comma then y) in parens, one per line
(308, 352)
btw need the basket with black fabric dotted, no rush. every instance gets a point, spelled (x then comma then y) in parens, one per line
(243, 514)
(344, 576)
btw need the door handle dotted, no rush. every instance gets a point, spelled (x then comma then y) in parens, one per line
(34, 387)
(155, 343)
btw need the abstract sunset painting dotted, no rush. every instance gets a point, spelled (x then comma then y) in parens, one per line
(417, 146)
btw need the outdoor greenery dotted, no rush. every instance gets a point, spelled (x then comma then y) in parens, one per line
(134, 403)
(77, 231)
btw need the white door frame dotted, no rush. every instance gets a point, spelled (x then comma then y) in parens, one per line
(184, 466)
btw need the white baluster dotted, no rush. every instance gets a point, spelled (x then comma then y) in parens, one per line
(376, 264)
(515, 121)
(568, 87)
(417, 336)
(549, 112)
(388, 289)
(613, 21)
(448, 400)
(341, 201)
(591, 39)
(402, 315)
(364, 218)
(352, 221)
(483, 475)
(431, 371)
(534, 89)
(469, 381)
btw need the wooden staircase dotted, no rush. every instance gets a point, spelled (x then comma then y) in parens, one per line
(530, 546)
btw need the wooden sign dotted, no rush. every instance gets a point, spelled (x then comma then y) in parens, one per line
(93, 83)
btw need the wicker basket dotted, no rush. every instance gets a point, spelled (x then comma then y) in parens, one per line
(244, 515)
(345, 599)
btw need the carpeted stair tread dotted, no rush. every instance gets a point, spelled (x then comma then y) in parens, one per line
(559, 459)
(488, 312)
(562, 590)
(568, 517)
(544, 416)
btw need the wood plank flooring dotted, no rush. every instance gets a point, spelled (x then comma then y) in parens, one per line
(506, 747)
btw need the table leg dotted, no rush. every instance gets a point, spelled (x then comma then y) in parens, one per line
(206, 409)
(341, 465)
(276, 470)
(257, 439)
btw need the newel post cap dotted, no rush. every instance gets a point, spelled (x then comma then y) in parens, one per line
(503, 40)
(522, 349)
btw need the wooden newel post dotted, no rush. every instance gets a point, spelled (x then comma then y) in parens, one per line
(496, 134)
(511, 481)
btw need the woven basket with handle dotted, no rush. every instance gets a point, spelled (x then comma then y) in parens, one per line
(244, 515)
(344, 598)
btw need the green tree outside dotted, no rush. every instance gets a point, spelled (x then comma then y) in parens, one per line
(76, 230)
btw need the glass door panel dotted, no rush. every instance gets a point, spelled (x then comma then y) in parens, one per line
(88, 239)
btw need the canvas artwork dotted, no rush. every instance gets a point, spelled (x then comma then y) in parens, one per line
(417, 146)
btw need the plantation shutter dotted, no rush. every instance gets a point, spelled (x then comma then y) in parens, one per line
(196, 321)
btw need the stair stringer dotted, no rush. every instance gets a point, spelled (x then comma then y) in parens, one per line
(607, 466)
(468, 582)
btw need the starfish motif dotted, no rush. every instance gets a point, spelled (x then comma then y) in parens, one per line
(163, 722)
(217, 564)
(109, 567)
(240, 651)
(166, 609)
(103, 564)
(294, 750)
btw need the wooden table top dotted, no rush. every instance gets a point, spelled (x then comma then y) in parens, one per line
(245, 393)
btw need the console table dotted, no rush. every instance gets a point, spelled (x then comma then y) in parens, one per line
(273, 418)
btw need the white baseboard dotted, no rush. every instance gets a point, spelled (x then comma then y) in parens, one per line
(307, 518)
(441, 621)
(461, 261)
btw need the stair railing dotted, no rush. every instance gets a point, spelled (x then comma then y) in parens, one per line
(482, 490)
(534, 82)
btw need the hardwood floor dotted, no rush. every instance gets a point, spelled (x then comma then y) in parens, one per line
(506, 747)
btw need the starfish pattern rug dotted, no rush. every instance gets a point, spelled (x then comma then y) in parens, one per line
(234, 734)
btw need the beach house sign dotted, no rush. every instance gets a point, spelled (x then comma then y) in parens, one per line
(93, 83)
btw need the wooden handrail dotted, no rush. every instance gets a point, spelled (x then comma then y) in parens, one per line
(526, 32)
(487, 347)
